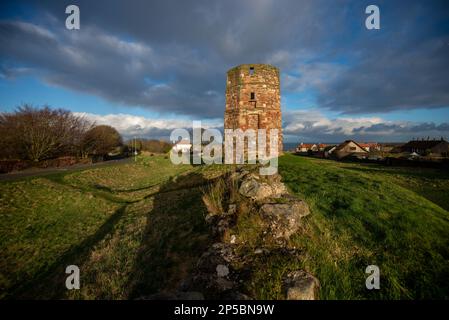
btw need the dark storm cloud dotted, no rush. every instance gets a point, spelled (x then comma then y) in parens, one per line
(168, 56)
(418, 128)
(121, 71)
(171, 56)
(393, 81)
(403, 66)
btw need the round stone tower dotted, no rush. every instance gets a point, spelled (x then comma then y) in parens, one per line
(253, 99)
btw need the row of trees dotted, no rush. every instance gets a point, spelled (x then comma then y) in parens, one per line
(156, 146)
(37, 134)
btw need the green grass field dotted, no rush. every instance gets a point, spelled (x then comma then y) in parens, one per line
(395, 218)
(137, 229)
(132, 229)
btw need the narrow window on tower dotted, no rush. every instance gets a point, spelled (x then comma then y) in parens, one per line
(253, 96)
(251, 71)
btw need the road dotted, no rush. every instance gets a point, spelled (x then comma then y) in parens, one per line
(36, 172)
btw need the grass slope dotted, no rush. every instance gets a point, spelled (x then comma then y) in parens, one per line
(365, 214)
(122, 225)
(137, 229)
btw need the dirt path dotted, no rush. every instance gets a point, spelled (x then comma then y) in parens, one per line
(35, 172)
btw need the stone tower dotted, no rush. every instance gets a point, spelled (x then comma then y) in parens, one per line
(253, 99)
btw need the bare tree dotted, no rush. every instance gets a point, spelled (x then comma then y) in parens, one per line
(80, 129)
(41, 133)
(157, 146)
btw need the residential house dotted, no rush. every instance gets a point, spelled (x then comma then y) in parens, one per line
(182, 145)
(370, 146)
(322, 146)
(427, 147)
(306, 147)
(390, 147)
(349, 148)
(328, 151)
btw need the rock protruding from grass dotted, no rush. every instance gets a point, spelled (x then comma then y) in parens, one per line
(280, 212)
(283, 219)
(300, 285)
(226, 270)
(255, 188)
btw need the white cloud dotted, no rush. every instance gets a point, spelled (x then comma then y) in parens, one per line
(313, 120)
(130, 125)
(304, 125)
(313, 125)
(34, 29)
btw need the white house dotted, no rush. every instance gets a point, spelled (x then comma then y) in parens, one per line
(305, 147)
(183, 145)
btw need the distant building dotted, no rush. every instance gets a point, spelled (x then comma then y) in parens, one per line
(413, 156)
(329, 150)
(391, 147)
(425, 147)
(370, 146)
(349, 148)
(183, 145)
(322, 146)
(306, 147)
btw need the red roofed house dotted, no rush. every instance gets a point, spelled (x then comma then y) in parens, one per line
(370, 146)
(305, 147)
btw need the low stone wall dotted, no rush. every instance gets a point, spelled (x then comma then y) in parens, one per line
(221, 271)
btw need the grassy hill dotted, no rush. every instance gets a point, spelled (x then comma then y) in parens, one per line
(136, 229)
(364, 214)
(127, 227)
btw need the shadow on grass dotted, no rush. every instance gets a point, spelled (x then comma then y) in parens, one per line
(48, 283)
(174, 237)
(99, 191)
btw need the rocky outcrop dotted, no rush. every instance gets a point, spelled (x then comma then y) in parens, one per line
(300, 285)
(223, 269)
(284, 219)
(280, 211)
(214, 274)
(255, 189)
(219, 223)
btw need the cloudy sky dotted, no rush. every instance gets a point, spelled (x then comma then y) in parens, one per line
(147, 67)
